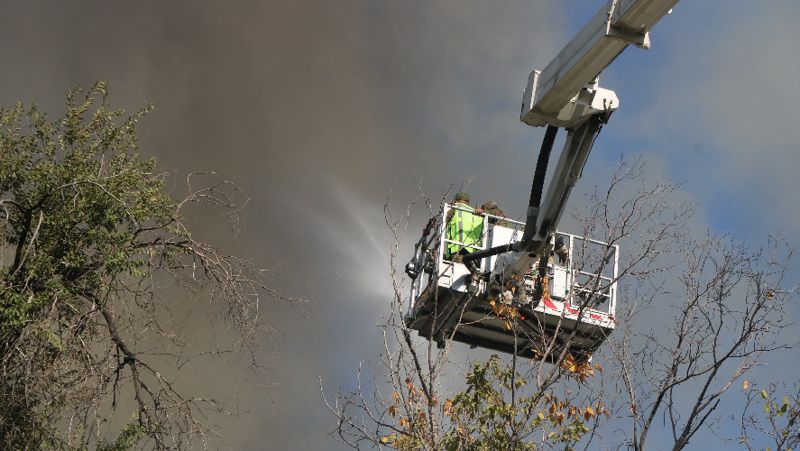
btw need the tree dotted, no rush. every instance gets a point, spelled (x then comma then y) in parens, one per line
(729, 317)
(94, 252)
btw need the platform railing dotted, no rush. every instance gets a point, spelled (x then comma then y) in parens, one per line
(587, 283)
(437, 242)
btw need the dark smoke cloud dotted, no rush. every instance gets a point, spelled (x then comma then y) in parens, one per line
(321, 111)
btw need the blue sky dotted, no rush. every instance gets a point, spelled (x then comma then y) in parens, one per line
(324, 110)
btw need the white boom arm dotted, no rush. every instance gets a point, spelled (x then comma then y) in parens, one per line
(565, 94)
(552, 95)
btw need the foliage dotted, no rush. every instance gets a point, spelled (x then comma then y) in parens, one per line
(88, 233)
(491, 413)
(766, 419)
(486, 417)
(73, 203)
(126, 439)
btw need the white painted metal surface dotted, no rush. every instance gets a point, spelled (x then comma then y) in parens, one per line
(446, 288)
(563, 93)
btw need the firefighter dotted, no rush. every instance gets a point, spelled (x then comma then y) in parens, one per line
(561, 250)
(491, 208)
(464, 227)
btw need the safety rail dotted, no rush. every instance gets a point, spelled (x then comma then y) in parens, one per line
(584, 285)
(595, 291)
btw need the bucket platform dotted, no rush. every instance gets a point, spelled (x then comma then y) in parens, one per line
(577, 312)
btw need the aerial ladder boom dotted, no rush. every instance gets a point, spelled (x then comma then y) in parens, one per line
(565, 94)
(453, 297)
